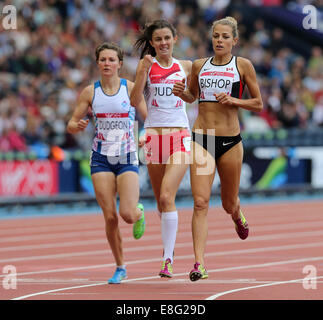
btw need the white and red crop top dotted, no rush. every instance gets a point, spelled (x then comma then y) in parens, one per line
(165, 109)
(219, 78)
(114, 121)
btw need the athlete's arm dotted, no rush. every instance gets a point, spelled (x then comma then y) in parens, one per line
(191, 93)
(76, 123)
(248, 75)
(141, 106)
(187, 66)
(141, 79)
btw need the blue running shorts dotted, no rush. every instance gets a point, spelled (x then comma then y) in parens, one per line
(116, 165)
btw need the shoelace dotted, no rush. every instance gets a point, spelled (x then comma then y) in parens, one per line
(165, 265)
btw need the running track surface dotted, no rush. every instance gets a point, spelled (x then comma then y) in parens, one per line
(68, 258)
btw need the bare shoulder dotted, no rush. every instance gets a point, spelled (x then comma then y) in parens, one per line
(130, 85)
(199, 62)
(244, 64)
(197, 65)
(87, 93)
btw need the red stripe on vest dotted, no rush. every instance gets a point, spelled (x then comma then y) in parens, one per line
(112, 115)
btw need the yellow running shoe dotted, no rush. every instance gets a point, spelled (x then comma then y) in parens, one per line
(167, 269)
(198, 272)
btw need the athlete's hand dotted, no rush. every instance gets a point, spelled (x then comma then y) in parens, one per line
(179, 87)
(82, 124)
(224, 98)
(147, 61)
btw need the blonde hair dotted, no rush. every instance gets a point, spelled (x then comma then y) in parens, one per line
(229, 21)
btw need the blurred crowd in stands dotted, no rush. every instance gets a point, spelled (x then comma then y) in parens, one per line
(49, 58)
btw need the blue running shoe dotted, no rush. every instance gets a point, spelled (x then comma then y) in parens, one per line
(119, 275)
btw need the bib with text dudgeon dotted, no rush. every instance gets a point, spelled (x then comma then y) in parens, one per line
(114, 121)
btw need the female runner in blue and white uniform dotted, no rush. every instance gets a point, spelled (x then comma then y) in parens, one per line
(114, 161)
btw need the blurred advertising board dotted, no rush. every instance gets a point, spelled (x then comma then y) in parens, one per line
(28, 178)
(263, 168)
(267, 168)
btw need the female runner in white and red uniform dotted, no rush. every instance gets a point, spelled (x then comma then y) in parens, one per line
(167, 141)
(218, 83)
(114, 161)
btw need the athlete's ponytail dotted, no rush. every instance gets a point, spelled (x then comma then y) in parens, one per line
(143, 42)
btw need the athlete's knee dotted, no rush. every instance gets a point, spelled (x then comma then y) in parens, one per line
(201, 203)
(230, 206)
(165, 200)
(127, 215)
(110, 218)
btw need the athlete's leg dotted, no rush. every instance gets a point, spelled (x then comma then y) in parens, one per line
(229, 169)
(129, 209)
(156, 173)
(105, 190)
(174, 172)
(165, 193)
(128, 190)
(202, 172)
(173, 176)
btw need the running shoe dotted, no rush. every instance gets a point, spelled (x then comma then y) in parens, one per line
(119, 275)
(198, 272)
(167, 269)
(242, 227)
(140, 225)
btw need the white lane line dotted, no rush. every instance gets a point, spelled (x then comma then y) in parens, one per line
(280, 236)
(153, 237)
(58, 290)
(182, 274)
(259, 286)
(220, 253)
(51, 228)
(54, 245)
(49, 236)
(212, 231)
(61, 235)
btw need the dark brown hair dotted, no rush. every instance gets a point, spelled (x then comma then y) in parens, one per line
(111, 46)
(147, 34)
